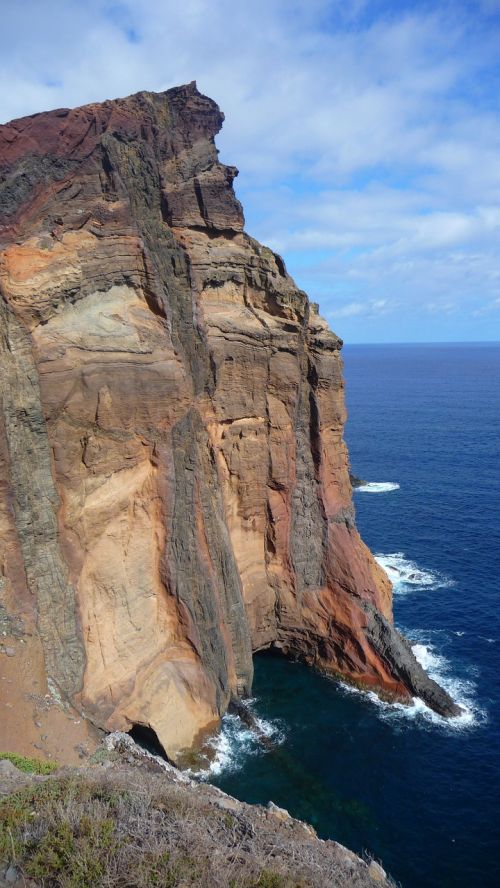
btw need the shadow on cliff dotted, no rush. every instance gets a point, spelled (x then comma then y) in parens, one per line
(147, 739)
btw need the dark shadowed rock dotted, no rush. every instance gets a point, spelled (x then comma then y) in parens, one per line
(355, 481)
(396, 650)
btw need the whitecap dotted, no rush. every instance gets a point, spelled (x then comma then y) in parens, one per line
(377, 487)
(405, 574)
(428, 658)
(235, 742)
(418, 711)
(461, 690)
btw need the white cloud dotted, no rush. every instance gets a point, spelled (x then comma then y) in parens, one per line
(349, 311)
(372, 308)
(368, 141)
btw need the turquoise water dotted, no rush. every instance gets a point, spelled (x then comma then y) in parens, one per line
(420, 794)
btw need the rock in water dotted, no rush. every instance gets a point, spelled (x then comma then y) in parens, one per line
(355, 481)
(174, 484)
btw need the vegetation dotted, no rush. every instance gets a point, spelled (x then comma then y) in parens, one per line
(29, 765)
(127, 828)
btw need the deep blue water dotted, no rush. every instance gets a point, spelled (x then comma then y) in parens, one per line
(419, 794)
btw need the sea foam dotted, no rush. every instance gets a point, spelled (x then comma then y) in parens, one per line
(405, 574)
(228, 750)
(461, 690)
(377, 487)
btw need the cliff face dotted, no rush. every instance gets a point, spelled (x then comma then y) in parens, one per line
(174, 488)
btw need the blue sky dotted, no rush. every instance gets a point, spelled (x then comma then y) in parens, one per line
(367, 135)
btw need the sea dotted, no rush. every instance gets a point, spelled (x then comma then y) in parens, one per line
(398, 783)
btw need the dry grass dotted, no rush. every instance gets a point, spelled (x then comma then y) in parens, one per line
(120, 828)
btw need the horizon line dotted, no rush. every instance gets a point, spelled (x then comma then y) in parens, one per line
(430, 342)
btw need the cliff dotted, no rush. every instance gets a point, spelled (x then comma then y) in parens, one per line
(174, 487)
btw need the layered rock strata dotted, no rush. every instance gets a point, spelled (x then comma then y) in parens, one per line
(174, 489)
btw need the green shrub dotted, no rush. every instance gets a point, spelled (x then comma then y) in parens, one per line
(19, 808)
(160, 871)
(268, 879)
(136, 830)
(79, 853)
(104, 755)
(29, 765)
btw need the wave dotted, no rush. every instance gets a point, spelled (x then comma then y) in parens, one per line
(377, 487)
(405, 574)
(228, 750)
(461, 690)
(429, 659)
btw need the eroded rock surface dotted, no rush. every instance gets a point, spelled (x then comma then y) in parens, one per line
(174, 484)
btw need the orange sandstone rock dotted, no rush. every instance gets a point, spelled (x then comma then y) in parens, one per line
(174, 483)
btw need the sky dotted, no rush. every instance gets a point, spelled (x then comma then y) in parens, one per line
(366, 132)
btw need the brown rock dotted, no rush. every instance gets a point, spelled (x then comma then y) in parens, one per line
(377, 873)
(11, 778)
(174, 487)
(277, 812)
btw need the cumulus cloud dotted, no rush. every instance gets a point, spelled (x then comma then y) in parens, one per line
(370, 308)
(366, 133)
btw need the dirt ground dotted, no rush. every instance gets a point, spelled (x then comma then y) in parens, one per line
(32, 722)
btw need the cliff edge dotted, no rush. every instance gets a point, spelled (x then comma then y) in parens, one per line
(127, 821)
(174, 487)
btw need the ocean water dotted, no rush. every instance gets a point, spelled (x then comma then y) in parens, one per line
(418, 793)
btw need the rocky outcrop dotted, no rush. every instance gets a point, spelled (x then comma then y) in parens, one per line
(174, 484)
(355, 481)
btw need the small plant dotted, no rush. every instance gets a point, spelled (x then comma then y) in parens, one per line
(52, 853)
(137, 830)
(80, 853)
(29, 765)
(104, 755)
(161, 871)
(18, 809)
(268, 879)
